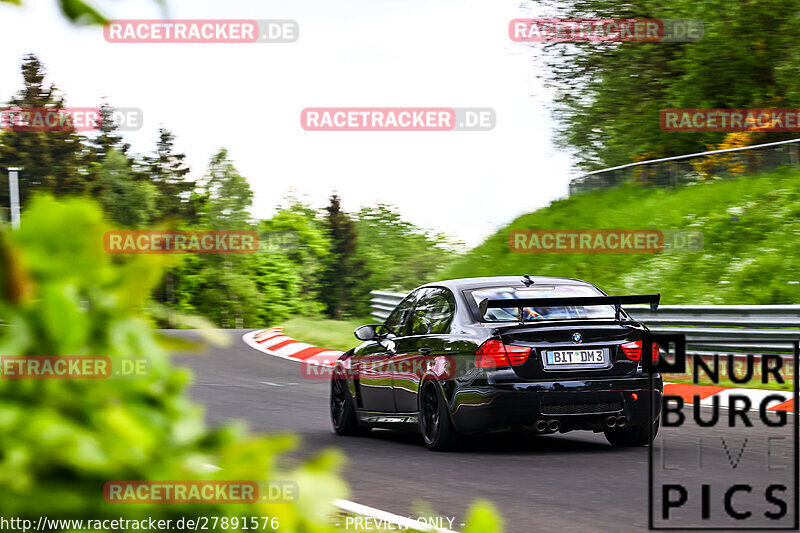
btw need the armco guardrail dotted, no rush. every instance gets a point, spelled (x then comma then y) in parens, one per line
(383, 303)
(722, 328)
(725, 328)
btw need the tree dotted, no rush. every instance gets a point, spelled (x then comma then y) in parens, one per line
(609, 95)
(398, 254)
(339, 290)
(108, 137)
(294, 248)
(169, 173)
(296, 231)
(228, 195)
(52, 161)
(220, 287)
(127, 200)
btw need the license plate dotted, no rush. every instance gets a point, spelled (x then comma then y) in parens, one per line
(576, 357)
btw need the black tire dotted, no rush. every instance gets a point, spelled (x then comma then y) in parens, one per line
(630, 436)
(343, 413)
(434, 418)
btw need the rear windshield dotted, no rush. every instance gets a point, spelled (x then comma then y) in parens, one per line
(509, 314)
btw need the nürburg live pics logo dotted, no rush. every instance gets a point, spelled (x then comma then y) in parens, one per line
(726, 453)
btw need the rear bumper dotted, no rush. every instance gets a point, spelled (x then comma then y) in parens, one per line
(576, 404)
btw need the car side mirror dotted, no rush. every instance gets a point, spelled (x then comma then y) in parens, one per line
(370, 332)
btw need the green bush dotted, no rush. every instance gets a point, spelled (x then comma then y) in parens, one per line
(61, 440)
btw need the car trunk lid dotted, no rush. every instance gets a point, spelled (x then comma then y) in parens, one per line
(573, 349)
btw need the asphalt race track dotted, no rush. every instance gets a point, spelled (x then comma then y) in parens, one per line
(572, 482)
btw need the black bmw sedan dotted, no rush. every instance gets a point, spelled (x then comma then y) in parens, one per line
(471, 355)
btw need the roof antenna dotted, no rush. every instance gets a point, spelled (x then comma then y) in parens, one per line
(526, 279)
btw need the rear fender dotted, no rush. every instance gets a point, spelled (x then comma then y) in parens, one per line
(342, 368)
(446, 387)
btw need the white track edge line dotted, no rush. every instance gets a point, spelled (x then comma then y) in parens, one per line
(357, 508)
(402, 521)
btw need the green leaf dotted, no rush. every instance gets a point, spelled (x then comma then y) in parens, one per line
(482, 517)
(80, 12)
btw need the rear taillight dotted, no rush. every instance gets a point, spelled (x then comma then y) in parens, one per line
(633, 351)
(494, 354)
(517, 354)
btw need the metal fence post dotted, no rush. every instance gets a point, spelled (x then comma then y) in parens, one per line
(13, 193)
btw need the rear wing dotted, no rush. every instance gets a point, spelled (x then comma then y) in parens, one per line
(617, 301)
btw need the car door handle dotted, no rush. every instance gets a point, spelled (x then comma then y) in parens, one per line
(424, 351)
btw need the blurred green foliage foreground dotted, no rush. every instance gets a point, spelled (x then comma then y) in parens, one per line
(62, 439)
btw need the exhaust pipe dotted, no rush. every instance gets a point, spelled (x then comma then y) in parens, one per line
(554, 425)
(541, 426)
(622, 421)
(611, 422)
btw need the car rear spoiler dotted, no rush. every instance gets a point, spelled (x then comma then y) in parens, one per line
(617, 301)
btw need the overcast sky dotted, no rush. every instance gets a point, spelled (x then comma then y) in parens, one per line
(356, 53)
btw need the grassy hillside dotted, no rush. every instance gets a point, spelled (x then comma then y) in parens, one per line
(751, 230)
(325, 333)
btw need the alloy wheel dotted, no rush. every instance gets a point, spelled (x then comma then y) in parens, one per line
(430, 412)
(337, 400)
